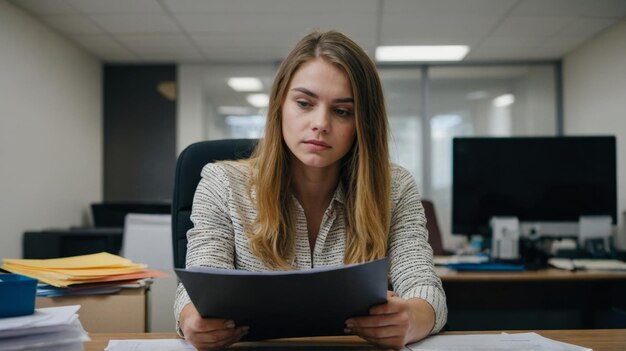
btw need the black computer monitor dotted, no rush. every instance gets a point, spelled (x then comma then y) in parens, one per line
(113, 214)
(546, 182)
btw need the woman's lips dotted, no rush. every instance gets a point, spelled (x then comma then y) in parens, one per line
(317, 145)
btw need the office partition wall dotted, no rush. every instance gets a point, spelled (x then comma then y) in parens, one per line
(139, 132)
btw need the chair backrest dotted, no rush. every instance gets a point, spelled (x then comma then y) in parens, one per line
(434, 235)
(188, 168)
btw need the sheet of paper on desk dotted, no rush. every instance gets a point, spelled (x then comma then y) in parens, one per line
(493, 342)
(149, 345)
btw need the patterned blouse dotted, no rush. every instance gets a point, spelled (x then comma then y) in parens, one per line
(218, 238)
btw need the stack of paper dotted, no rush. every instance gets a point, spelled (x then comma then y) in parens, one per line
(493, 342)
(87, 274)
(50, 329)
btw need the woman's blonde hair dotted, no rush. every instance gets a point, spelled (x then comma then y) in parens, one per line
(365, 170)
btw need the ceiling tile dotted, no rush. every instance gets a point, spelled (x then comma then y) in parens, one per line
(246, 54)
(435, 8)
(562, 45)
(214, 40)
(512, 53)
(558, 8)
(171, 41)
(265, 30)
(172, 56)
(586, 27)
(519, 27)
(72, 24)
(507, 42)
(266, 22)
(46, 7)
(117, 6)
(407, 29)
(160, 46)
(136, 23)
(274, 45)
(104, 48)
(272, 6)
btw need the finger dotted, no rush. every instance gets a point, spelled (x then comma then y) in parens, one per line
(208, 325)
(239, 333)
(215, 336)
(391, 294)
(394, 305)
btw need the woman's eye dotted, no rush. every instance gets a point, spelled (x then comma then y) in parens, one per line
(303, 104)
(342, 112)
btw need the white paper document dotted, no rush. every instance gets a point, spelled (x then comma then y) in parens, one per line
(50, 329)
(44, 320)
(493, 342)
(149, 345)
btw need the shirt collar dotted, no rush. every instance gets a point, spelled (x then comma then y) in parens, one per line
(339, 194)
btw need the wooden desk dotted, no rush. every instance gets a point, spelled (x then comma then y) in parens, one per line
(542, 275)
(598, 340)
(542, 299)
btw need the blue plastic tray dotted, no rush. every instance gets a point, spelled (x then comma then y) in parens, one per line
(17, 295)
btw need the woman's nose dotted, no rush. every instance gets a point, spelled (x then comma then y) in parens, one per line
(321, 121)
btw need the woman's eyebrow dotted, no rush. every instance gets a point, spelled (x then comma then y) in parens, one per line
(313, 95)
(305, 91)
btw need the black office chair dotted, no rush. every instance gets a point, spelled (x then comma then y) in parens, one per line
(188, 167)
(432, 225)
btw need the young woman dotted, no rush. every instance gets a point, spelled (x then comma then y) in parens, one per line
(318, 190)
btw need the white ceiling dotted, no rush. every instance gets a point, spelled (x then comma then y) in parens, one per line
(263, 31)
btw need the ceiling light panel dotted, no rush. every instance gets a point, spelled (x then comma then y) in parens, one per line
(418, 53)
(258, 100)
(245, 84)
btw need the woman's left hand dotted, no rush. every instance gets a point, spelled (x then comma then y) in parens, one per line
(395, 323)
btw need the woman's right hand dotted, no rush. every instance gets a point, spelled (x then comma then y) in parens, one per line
(210, 333)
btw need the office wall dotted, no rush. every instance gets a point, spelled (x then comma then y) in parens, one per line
(50, 129)
(595, 98)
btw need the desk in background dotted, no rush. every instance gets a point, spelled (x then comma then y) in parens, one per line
(542, 299)
(598, 340)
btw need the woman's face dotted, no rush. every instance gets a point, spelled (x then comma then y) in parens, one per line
(318, 122)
